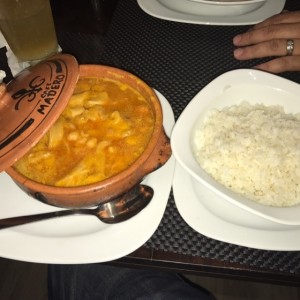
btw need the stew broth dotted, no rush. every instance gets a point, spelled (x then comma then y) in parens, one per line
(105, 127)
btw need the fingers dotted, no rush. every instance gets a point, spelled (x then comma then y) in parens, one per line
(269, 39)
(268, 33)
(285, 17)
(282, 64)
(276, 47)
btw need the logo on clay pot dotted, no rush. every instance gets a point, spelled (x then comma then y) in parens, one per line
(44, 91)
(30, 93)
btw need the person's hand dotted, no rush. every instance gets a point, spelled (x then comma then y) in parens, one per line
(270, 39)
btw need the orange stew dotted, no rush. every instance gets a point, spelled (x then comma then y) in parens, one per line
(103, 130)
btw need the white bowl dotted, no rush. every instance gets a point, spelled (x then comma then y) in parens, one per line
(213, 8)
(229, 2)
(231, 213)
(229, 89)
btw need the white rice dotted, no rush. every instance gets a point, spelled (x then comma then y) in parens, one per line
(253, 150)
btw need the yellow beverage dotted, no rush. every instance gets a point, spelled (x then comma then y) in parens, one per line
(28, 28)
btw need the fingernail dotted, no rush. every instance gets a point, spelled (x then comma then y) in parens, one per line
(238, 52)
(237, 39)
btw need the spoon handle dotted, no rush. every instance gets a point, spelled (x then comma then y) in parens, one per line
(14, 221)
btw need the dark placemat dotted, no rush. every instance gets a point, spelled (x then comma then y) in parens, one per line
(178, 60)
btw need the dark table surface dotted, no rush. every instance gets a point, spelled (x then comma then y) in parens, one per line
(179, 60)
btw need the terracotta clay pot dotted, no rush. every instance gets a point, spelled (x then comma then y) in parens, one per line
(154, 156)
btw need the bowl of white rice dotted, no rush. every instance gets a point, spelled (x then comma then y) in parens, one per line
(240, 138)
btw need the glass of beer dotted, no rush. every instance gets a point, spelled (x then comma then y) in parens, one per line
(28, 27)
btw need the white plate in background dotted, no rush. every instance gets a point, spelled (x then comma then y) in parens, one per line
(158, 10)
(212, 8)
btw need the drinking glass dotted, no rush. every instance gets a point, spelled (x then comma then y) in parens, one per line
(28, 28)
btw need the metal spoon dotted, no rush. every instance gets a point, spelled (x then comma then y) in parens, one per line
(115, 211)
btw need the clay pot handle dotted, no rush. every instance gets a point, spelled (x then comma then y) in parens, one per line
(160, 155)
(2, 89)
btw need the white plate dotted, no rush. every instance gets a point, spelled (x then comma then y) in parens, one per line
(212, 9)
(81, 239)
(229, 89)
(242, 231)
(207, 17)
